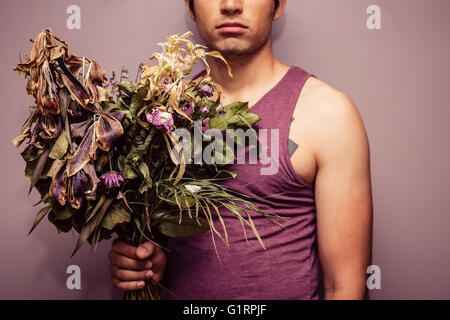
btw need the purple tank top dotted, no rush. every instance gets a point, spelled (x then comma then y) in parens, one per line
(289, 267)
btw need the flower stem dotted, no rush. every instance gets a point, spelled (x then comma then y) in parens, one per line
(109, 159)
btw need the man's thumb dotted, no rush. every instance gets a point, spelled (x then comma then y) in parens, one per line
(145, 250)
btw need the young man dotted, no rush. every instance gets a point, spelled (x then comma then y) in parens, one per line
(324, 174)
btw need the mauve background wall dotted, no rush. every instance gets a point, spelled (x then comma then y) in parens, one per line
(398, 77)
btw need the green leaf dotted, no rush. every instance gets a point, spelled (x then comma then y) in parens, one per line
(78, 219)
(147, 180)
(126, 121)
(245, 120)
(126, 169)
(222, 158)
(120, 163)
(236, 115)
(31, 166)
(61, 225)
(31, 153)
(109, 106)
(183, 201)
(124, 103)
(52, 168)
(62, 213)
(139, 145)
(128, 172)
(43, 199)
(137, 101)
(226, 173)
(41, 214)
(169, 226)
(116, 215)
(43, 186)
(92, 225)
(90, 214)
(212, 107)
(39, 169)
(128, 86)
(64, 103)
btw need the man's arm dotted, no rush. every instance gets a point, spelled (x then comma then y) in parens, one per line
(343, 197)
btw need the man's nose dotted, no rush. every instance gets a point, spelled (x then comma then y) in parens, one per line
(231, 7)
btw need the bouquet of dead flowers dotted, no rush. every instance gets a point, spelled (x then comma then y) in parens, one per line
(114, 156)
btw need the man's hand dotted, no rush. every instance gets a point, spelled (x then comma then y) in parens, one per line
(130, 266)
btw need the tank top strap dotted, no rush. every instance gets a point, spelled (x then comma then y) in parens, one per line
(277, 106)
(292, 87)
(279, 103)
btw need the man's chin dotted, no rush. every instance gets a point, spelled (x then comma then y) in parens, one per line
(233, 51)
(228, 54)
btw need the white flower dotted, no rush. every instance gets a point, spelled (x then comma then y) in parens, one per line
(192, 188)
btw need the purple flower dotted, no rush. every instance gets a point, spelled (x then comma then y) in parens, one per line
(205, 109)
(205, 125)
(124, 73)
(160, 119)
(186, 106)
(206, 90)
(111, 179)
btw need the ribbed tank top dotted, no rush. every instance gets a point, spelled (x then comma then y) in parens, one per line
(289, 267)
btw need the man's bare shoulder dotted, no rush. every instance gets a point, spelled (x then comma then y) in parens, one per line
(331, 114)
(319, 97)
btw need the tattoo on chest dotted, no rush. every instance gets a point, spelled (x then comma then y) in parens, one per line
(292, 146)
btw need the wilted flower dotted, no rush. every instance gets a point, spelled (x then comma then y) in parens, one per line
(140, 69)
(205, 125)
(187, 108)
(74, 189)
(185, 105)
(206, 90)
(124, 74)
(111, 179)
(192, 188)
(160, 119)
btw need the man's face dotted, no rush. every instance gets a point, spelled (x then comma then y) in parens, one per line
(213, 18)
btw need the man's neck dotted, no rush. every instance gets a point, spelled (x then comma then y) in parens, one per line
(252, 75)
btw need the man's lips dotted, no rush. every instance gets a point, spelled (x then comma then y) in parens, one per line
(232, 27)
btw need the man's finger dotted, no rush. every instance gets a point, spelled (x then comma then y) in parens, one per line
(123, 262)
(145, 250)
(129, 275)
(124, 249)
(157, 277)
(158, 261)
(128, 285)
